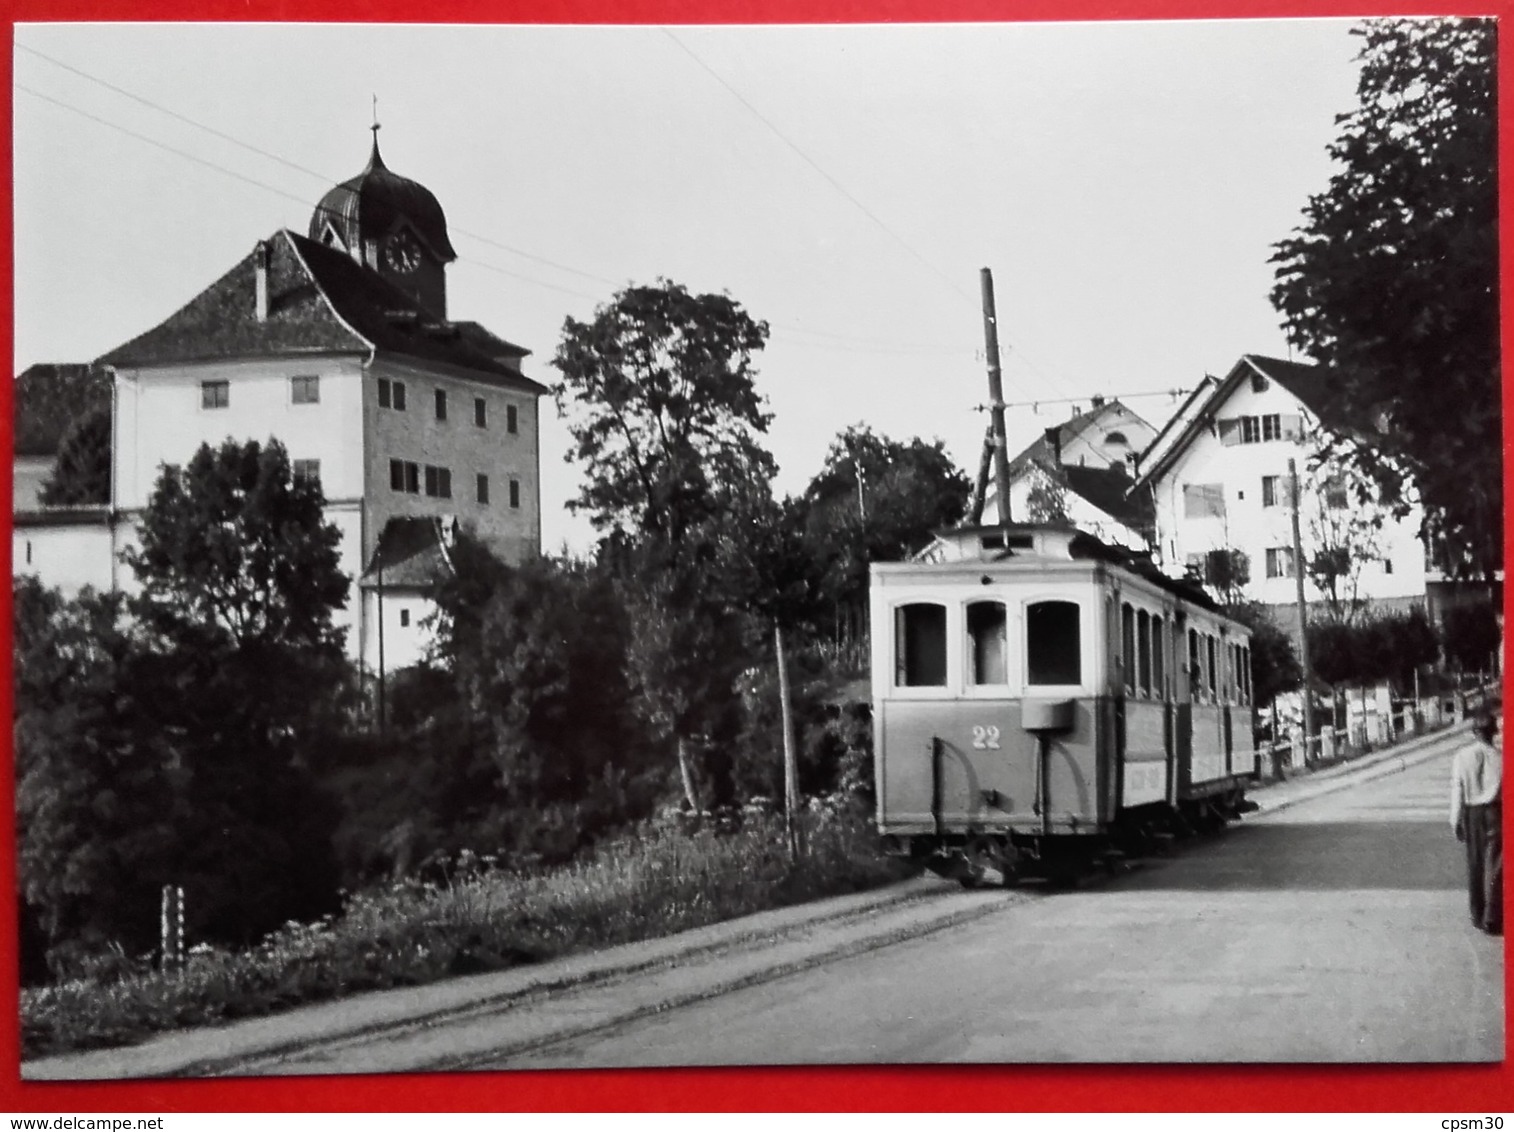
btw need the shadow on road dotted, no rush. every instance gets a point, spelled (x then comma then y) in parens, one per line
(1405, 855)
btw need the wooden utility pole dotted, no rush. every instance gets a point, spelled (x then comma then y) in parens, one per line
(1303, 623)
(995, 396)
(790, 755)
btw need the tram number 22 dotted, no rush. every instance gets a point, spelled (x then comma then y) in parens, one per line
(986, 738)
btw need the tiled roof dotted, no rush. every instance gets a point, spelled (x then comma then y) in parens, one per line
(1039, 449)
(1107, 489)
(319, 301)
(1069, 431)
(1311, 384)
(220, 322)
(49, 397)
(411, 553)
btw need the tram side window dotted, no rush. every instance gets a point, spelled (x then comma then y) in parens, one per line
(1127, 649)
(920, 646)
(1158, 668)
(1214, 691)
(1245, 675)
(1143, 646)
(1053, 643)
(987, 632)
(1195, 670)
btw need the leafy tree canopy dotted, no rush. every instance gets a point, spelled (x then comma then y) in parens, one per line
(908, 491)
(49, 399)
(82, 473)
(659, 395)
(234, 545)
(1392, 280)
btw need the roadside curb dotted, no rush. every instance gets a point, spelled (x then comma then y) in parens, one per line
(208, 1049)
(1379, 764)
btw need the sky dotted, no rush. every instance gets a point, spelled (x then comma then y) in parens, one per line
(1124, 182)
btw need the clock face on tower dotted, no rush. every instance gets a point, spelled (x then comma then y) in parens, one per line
(402, 252)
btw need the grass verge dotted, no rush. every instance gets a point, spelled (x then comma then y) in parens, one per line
(645, 886)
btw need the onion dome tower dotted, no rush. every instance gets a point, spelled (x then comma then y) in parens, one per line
(391, 224)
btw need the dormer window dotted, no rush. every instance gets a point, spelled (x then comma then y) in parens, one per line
(332, 238)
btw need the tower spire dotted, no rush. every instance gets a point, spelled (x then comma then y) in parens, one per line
(374, 160)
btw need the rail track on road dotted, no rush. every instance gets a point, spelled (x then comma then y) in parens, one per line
(491, 1019)
(496, 1029)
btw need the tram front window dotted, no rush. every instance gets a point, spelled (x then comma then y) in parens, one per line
(1053, 649)
(987, 630)
(920, 646)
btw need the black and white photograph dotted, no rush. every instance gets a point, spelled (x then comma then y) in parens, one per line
(601, 547)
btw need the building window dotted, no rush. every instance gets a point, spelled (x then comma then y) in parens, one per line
(920, 646)
(441, 404)
(1203, 500)
(515, 493)
(988, 634)
(1387, 565)
(404, 475)
(305, 390)
(1053, 643)
(510, 421)
(438, 482)
(483, 488)
(391, 394)
(1272, 427)
(308, 471)
(1279, 562)
(404, 618)
(28, 552)
(215, 394)
(480, 413)
(1272, 488)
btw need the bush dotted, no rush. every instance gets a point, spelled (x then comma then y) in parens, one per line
(475, 917)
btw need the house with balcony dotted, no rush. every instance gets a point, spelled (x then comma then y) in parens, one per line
(1218, 480)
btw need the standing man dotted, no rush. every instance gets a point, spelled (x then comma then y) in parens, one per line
(1477, 818)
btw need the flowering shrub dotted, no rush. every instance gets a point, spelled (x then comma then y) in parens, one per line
(652, 883)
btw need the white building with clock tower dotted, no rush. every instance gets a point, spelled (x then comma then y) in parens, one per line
(335, 342)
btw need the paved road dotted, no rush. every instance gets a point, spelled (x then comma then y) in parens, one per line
(1334, 930)
(1330, 929)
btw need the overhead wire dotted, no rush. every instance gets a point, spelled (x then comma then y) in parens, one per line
(813, 164)
(862, 344)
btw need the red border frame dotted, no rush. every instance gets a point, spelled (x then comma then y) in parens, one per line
(1451, 1089)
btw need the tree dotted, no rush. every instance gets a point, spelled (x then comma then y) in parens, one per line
(1392, 280)
(1274, 662)
(95, 788)
(82, 474)
(773, 573)
(240, 579)
(541, 674)
(49, 399)
(879, 500)
(236, 547)
(1344, 534)
(1047, 500)
(1471, 635)
(658, 394)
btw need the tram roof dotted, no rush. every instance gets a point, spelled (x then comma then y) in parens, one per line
(969, 548)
